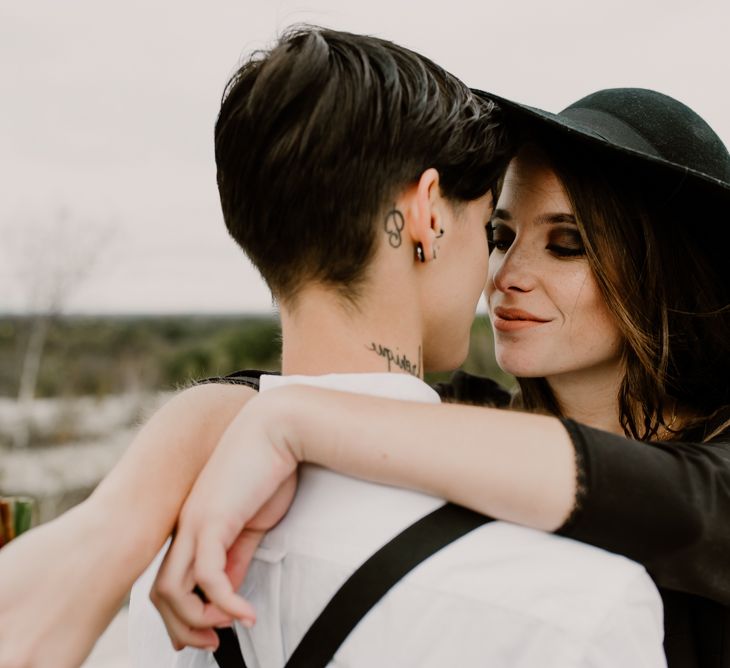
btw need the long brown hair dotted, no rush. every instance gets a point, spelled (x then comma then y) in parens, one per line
(654, 249)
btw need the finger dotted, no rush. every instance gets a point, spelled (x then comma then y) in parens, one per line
(172, 592)
(211, 616)
(198, 613)
(210, 574)
(175, 573)
(181, 635)
(240, 555)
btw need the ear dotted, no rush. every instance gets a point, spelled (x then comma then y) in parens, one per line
(424, 220)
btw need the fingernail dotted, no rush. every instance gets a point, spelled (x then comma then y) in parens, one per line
(247, 622)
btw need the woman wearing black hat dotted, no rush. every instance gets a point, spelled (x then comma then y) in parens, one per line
(608, 294)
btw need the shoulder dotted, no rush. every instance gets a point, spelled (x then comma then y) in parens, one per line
(208, 400)
(248, 377)
(536, 563)
(557, 586)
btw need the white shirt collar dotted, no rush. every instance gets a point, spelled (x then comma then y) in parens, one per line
(389, 385)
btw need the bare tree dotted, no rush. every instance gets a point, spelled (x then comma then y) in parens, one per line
(52, 261)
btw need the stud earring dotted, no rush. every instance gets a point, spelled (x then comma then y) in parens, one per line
(441, 233)
(419, 252)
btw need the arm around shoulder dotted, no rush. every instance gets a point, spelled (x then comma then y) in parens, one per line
(513, 466)
(662, 504)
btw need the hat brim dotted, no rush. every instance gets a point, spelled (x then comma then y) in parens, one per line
(573, 129)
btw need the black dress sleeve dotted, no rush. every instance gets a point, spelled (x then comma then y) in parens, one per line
(665, 505)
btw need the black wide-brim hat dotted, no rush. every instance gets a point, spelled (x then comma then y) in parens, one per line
(642, 125)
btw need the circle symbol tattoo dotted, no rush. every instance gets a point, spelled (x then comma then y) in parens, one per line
(394, 224)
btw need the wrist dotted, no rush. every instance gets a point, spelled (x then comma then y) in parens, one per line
(277, 413)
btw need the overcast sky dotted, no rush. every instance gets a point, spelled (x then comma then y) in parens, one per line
(107, 111)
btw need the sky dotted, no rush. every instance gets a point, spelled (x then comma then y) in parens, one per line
(107, 112)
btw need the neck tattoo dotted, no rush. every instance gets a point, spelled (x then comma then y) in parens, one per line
(399, 360)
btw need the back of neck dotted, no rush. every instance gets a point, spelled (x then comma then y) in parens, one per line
(321, 335)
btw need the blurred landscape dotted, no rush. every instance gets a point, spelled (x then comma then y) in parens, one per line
(102, 356)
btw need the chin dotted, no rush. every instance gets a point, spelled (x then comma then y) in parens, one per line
(519, 365)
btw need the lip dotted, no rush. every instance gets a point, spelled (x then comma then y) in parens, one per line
(514, 319)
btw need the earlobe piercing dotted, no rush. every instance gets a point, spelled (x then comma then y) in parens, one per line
(441, 233)
(420, 256)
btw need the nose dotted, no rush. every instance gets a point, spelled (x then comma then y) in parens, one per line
(513, 271)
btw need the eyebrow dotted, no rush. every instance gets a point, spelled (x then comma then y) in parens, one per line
(544, 219)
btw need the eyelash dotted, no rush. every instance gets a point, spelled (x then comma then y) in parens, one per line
(564, 251)
(503, 245)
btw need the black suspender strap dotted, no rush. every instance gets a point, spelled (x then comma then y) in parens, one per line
(365, 587)
(371, 581)
(228, 654)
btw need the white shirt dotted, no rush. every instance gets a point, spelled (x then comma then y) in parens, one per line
(503, 595)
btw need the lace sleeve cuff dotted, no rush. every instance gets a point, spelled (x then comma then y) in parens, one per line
(581, 476)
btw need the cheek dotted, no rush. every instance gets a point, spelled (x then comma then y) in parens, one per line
(592, 323)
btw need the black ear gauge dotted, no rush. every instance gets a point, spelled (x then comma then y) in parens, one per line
(420, 256)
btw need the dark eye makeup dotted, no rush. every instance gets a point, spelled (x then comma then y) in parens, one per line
(563, 241)
(499, 236)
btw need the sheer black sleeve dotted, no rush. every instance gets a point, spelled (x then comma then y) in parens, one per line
(665, 505)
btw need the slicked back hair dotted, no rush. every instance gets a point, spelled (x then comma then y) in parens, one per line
(317, 136)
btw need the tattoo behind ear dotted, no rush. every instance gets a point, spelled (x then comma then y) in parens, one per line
(394, 224)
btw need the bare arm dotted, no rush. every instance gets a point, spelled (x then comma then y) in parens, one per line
(509, 465)
(156, 473)
(80, 566)
(662, 504)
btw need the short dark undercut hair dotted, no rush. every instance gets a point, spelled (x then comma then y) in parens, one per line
(318, 135)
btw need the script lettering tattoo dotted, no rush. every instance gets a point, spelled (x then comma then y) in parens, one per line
(394, 224)
(394, 358)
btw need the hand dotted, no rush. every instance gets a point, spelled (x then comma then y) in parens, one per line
(243, 491)
(49, 576)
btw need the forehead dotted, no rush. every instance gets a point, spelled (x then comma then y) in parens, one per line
(531, 185)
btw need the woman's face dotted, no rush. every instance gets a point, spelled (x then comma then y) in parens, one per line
(548, 315)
